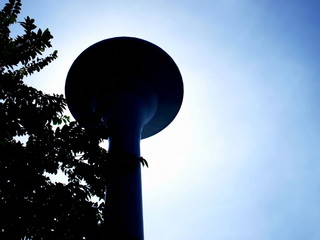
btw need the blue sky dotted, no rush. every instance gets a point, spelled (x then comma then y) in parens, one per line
(241, 160)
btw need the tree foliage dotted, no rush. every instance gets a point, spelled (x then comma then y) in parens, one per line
(37, 138)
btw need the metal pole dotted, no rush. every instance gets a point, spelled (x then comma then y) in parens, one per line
(124, 217)
(137, 89)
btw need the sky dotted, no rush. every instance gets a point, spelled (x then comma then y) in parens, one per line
(241, 159)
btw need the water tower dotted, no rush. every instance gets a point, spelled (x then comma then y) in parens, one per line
(135, 89)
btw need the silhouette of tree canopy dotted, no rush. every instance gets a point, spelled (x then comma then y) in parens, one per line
(37, 138)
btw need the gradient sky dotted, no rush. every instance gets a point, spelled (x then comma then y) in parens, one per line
(241, 160)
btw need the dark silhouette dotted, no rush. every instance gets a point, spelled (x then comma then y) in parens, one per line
(135, 89)
(37, 138)
(31, 206)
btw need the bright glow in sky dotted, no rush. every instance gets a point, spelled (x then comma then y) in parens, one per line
(242, 159)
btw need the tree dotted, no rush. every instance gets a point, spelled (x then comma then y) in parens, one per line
(31, 206)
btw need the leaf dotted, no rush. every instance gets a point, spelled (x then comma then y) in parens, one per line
(30, 204)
